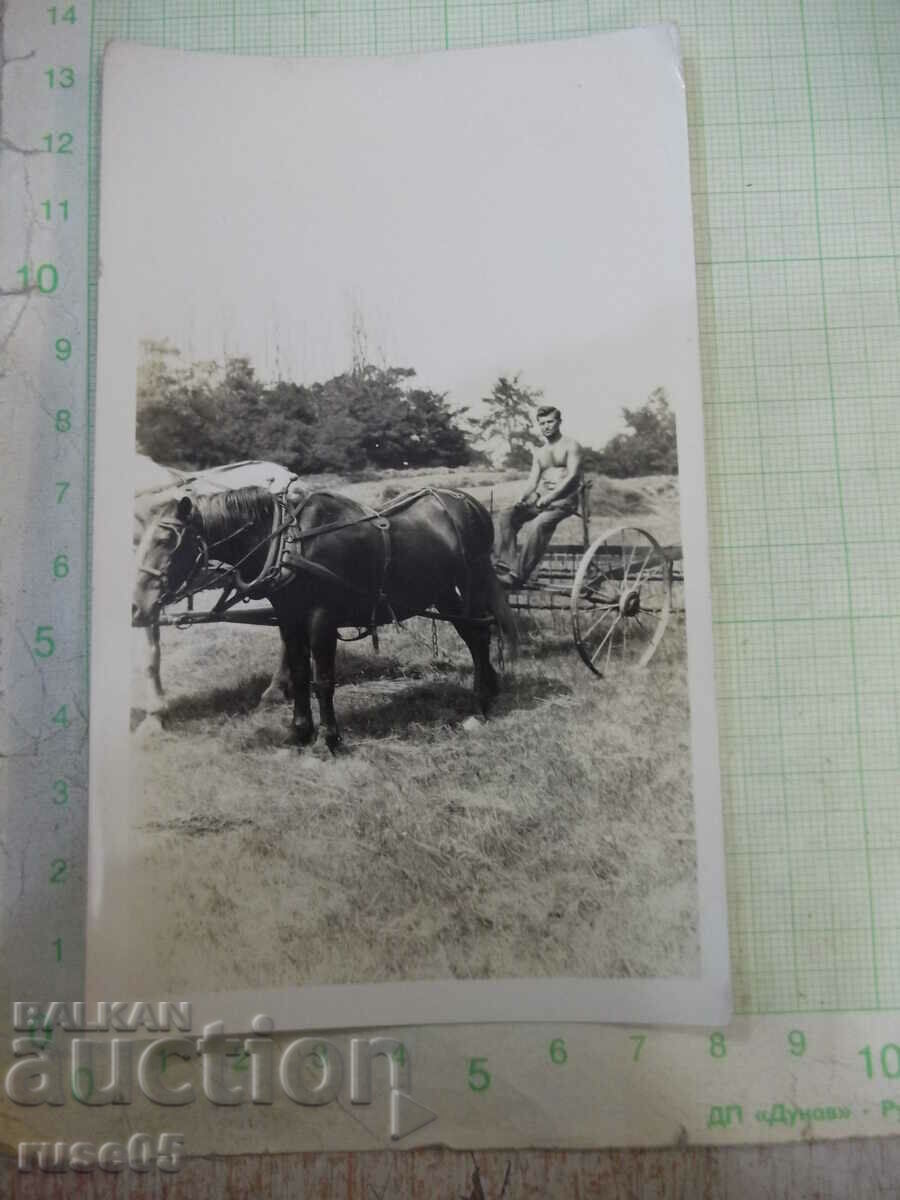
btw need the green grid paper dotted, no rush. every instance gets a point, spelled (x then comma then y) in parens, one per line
(793, 109)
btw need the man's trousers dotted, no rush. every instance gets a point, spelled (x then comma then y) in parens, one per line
(540, 523)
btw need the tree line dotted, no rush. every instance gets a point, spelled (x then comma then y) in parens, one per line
(199, 415)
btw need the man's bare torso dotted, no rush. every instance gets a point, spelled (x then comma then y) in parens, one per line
(553, 460)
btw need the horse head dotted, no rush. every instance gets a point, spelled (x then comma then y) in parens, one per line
(170, 554)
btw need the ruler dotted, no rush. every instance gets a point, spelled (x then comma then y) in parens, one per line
(45, 166)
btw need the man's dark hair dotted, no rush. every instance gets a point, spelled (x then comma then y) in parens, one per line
(548, 410)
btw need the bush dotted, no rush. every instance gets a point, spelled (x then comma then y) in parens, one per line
(650, 448)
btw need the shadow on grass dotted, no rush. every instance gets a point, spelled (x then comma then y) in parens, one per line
(419, 707)
(236, 700)
(442, 704)
(358, 667)
(243, 698)
(417, 703)
(417, 710)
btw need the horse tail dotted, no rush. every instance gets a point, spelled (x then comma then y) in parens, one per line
(503, 614)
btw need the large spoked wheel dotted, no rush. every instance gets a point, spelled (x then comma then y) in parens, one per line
(621, 600)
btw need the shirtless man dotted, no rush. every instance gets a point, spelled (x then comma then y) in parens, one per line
(550, 496)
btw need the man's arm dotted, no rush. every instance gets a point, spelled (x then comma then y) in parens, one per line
(534, 479)
(572, 476)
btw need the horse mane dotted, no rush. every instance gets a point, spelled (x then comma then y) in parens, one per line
(219, 515)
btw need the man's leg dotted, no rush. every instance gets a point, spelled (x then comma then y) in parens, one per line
(538, 534)
(509, 522)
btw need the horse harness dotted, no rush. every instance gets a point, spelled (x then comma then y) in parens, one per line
(285, 558)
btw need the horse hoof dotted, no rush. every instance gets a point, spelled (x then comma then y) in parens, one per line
(270, 697)
(334, 742)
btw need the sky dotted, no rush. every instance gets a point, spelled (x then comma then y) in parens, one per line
(524, 212)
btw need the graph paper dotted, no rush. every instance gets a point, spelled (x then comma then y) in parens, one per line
(792, 112)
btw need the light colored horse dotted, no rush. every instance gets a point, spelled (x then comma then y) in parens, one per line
(157, 488)
(156, 485)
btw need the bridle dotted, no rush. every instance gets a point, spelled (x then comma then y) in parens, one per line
(200, 563)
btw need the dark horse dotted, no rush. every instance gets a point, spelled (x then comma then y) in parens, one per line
(327, 563)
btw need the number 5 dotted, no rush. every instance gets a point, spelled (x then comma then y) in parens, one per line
(43, 639)
(169, 1150)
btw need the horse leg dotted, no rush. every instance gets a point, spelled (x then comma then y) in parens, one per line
(486, 683)
(280, 686)
(154, 698)
(323, 642)
(295, 655)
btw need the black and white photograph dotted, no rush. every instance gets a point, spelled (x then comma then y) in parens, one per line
(402, 689)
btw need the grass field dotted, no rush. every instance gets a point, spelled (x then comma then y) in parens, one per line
(557, 838)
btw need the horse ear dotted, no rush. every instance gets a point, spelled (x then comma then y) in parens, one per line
(185, 508)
